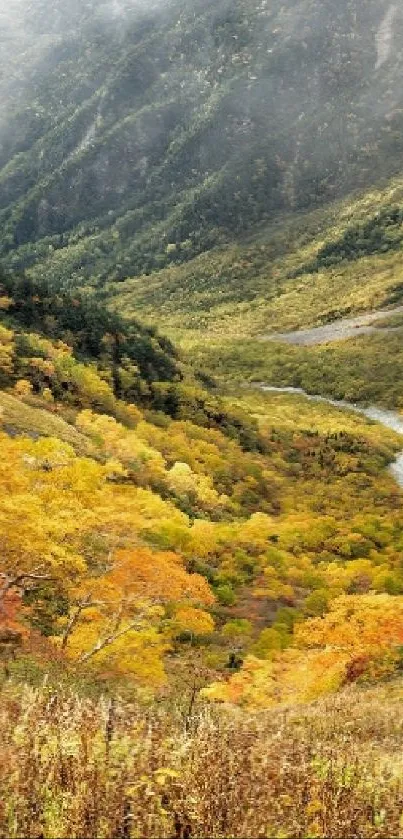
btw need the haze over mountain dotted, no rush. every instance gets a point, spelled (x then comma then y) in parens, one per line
(134, 135)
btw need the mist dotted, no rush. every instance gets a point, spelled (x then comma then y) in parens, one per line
(112, 113)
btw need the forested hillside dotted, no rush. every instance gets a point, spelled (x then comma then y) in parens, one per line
(241, 551)
(138, 510)
(132, 137)
(201, 581)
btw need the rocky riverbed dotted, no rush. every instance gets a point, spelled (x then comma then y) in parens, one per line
(338, 330)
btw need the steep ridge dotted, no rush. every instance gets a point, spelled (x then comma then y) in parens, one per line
(132, 137)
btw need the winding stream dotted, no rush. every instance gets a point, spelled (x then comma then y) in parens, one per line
(389, 419)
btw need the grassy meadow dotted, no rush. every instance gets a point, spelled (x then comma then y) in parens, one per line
(73, 767)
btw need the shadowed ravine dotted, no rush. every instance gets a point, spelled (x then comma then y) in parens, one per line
(390, 419)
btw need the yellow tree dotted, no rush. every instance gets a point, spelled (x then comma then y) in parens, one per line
(368, 628)
(287, 678)
(48, 507)
(360, 637)
(144, 464)
(120, 623)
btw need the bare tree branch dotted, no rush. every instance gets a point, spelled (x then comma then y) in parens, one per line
(114, 636)
(83, 604)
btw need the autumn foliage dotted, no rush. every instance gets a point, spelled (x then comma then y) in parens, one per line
(132, 542)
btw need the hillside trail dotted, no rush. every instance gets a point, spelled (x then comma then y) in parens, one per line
(338, 330)
(389, 419)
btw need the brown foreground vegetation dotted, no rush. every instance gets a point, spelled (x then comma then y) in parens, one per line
(72, 767)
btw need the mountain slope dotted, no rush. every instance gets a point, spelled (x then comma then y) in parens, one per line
(301, 270)
(131, 139)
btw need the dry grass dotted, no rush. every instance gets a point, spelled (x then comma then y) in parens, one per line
(75, 768)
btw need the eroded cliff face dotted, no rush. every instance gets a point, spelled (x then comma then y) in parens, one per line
(132, 134)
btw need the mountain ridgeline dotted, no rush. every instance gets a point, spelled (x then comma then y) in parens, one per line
(133, 137)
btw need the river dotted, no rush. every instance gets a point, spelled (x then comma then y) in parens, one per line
(389, 419)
